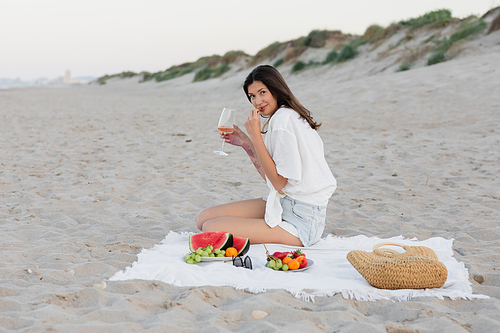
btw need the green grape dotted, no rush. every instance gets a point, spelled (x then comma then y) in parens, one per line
(279, 264)
(197, 258)
(193, 255)
(210, 246)
(191, 261)
(217, 251)
(276, 268)
(211, 255)
(187, 256)
(271, 264)
(223, 252)
(199, 251)
(220, 255)
(209, 250)
(204, 254)
(284, 267)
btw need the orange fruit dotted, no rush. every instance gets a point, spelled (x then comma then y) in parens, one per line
(286, 260)
(293, 264)
(231, 252)
(299, 259)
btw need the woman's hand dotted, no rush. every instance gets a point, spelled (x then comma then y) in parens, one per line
(253, 125)
(237, 138)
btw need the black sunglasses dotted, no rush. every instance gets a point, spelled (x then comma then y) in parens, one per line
(242, 262)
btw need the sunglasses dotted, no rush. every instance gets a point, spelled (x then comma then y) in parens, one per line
(242, 262)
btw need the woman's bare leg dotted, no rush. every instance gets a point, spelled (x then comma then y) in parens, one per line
(244, 219)
(254, 208)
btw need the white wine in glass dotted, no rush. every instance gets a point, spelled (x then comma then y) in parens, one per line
(226, 122)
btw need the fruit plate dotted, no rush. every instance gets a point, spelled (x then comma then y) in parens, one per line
(310, 262)
(217, 259)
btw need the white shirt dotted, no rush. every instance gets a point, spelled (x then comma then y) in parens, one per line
(297, 151)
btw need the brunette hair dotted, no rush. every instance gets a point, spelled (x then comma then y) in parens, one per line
(276, 84)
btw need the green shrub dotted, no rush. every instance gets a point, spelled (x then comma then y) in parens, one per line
(186, 70)
(373, 33)
(146, 76)
(331, 57)
(358, 42)
(166, 76)
(278, 62)
(438, 18)
(348, 52)
(298, 66)
(436, 58)
(403, 68)
(203, 74)
(231, 56)
(219, 71)
(101, 80)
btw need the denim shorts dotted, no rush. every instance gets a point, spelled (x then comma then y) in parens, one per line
(302, 220)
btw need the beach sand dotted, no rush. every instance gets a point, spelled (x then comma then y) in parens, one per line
(91, 175)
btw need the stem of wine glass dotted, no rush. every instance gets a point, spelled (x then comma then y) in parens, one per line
(222, 148)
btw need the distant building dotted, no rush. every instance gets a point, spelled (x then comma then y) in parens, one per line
(67, 77)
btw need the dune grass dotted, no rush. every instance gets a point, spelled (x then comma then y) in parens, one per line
(171, 73)
(331, 57)
(102, 80)
(208, 67)
(231, 56)
(318, 38)
(404, 67)
(269, 52)
(278, 62)
(468, 28)
(437, 18)
(300, 65)
(373, 33)
(215, 65)
(349, 51)
(211, 72)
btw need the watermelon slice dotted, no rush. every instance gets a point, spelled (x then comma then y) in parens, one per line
(242, 245)
(219, 240)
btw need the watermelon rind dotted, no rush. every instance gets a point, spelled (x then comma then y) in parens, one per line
(242, 245)
(219, 240)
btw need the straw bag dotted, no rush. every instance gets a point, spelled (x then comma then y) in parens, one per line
(417, 268)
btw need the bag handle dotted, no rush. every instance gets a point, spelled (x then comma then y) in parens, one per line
(390, 251)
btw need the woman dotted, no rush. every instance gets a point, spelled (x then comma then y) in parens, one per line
(290, 159)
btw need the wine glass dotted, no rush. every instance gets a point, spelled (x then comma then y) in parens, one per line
(226, 122)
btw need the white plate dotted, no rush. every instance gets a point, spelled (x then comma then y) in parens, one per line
(216, 258)
(310, 262)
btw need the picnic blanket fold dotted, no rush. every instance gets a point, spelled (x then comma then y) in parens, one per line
(331, 273)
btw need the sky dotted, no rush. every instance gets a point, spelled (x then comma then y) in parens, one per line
(98, 37)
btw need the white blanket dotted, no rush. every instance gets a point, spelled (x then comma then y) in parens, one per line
(330, 274)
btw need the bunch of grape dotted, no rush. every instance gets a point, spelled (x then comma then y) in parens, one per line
(276, 264)
(207, 251)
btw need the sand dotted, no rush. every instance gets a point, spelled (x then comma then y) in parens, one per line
(91, 175)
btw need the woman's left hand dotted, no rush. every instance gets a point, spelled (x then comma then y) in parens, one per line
(252, 124)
